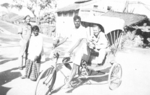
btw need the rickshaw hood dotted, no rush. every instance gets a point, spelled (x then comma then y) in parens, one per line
(109, 23)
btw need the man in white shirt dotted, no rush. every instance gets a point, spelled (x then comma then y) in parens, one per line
(78, 33)
(77, 48)
(35, 45)
(34, 54)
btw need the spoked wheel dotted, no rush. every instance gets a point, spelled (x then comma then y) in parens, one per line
(115, 76)
(46, 82)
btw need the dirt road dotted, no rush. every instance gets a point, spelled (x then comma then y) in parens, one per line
(135, 80)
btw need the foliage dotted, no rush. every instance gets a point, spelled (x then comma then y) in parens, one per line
(6, 5)
(35, 6)
(42, 3)
(19, 6)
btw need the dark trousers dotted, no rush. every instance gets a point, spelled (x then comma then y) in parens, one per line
(145, 36)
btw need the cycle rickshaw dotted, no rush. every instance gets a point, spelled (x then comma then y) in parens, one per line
(113, 31)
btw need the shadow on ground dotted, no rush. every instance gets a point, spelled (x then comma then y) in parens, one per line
(6, 77)
(85, 81)
(6, 60)
(4, 90)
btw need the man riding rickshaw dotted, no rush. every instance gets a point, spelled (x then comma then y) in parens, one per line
(91, 53)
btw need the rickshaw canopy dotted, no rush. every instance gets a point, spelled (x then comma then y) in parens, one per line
(108, 23)
(129, 18)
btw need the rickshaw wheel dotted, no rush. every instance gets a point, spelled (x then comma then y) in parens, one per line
(115, 76)
(45, 82)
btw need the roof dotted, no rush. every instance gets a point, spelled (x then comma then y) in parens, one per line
(75, 6)
(82, 1)
(109, 23)
(90, 10)
(69, 8)
(129, 18)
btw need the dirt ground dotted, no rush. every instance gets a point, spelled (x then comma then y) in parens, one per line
(135, 63)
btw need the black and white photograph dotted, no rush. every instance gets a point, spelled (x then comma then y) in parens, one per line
(74, 47)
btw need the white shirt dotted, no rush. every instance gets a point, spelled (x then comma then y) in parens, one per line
(100, 41)
(35, 46)
(79, 33)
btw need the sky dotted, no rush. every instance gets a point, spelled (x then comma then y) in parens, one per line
(67, 2)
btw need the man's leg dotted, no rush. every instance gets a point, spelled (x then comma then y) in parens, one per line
(24, 59)
(73, 46)
(20, 61)
(72, 75)
(76, 58)
(21, 55)
(101, 57)
(25, 72)
(80, 52)
(98, 60)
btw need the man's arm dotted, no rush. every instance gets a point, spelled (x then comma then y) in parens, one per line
(62, 41)
(59, 42)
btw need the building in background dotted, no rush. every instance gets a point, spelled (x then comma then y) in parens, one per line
(115, 8)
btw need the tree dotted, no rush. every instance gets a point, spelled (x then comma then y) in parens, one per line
(19, 6)
(6, 5)
(36, 6)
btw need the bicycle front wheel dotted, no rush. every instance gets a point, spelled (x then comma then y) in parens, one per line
(46, 82)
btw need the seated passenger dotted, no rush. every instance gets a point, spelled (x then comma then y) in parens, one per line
(98, 44)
